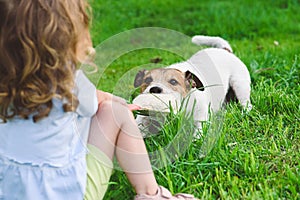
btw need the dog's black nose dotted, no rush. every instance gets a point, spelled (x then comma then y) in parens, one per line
(156, 90)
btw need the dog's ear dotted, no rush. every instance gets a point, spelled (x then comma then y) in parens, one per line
(139, 78)
(193, 81)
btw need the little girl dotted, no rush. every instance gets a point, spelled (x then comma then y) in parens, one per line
(58, 134)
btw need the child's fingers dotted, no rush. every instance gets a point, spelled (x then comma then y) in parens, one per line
(133, 107)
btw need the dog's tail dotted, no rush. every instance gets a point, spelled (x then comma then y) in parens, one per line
(216, 42)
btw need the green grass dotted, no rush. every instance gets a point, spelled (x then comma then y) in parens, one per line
(257, 155)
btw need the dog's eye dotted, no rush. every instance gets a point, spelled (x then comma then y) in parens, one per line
(173, 82)
(148, 80)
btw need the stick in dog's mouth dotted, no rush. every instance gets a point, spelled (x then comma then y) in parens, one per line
(148, 112)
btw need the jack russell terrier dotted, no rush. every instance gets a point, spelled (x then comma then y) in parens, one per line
(210, 78)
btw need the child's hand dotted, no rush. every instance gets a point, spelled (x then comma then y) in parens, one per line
(105, 96)
(133, 107)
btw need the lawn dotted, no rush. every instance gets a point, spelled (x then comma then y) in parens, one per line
(254, 155)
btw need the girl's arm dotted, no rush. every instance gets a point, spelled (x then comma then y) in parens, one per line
(105, 96)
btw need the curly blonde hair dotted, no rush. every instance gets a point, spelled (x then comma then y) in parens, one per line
(38, 40)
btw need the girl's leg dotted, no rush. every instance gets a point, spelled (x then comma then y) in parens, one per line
(114, 132)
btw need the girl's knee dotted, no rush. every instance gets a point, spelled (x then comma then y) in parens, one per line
(114, 110)
(112, 106)
(105, 106)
